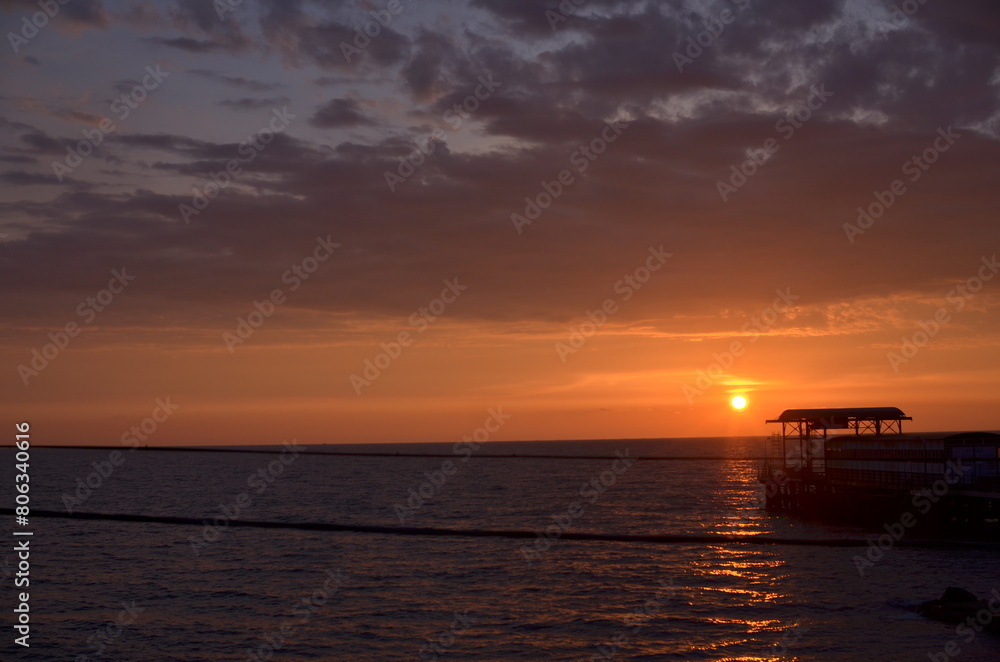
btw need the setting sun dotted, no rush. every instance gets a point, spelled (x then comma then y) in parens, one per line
(738, 402)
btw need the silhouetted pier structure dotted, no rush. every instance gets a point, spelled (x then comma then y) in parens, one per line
(875, 472)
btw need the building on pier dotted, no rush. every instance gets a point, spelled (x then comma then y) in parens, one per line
(857, 464)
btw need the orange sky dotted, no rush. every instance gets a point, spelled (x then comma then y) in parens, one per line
(626, 381)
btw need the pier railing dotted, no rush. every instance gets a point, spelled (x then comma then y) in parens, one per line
(793, 457)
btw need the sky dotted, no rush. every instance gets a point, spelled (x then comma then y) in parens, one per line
(241, 222)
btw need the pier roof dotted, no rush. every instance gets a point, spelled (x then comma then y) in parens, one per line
(842, 414)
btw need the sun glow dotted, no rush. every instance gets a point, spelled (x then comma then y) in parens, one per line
(738, 402)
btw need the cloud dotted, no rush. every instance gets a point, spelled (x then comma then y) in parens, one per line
(202, 46)
(79, 13)
(142, 15)
(340, 113)
(204, 31)
(36, 142)
(16, 178)
(303, 39)
(234, 81)
(654, 184)
(426, 73)
(252, 104)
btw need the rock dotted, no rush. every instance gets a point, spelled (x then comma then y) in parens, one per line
(960, 606)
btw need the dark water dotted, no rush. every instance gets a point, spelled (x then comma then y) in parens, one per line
(350, 596)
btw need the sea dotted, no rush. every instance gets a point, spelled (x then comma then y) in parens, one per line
(157, 591)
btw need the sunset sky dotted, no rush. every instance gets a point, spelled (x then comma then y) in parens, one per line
(691, 170)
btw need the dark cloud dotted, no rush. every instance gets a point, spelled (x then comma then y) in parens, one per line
(141, 15)
(451, 214)
(86, 13)
(205, 31)
(248, 104)
(214, 45)
(35, 142)
(234, 81)
(77, 116)
(16, 178)
(180, 145)
(961, 21)
(203, 15)
(125, 85)
(525, 16)
(14, 126)
(783, 18)
(426, 72)
(90, 13)
(302, 39)
(340, 113)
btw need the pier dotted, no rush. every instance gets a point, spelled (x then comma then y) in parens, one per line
(869, 471)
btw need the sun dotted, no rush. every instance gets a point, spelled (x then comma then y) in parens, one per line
(738, 402)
